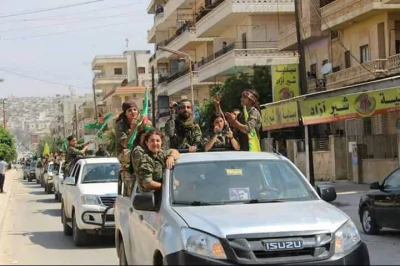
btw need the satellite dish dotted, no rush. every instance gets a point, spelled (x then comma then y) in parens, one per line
(327, 68)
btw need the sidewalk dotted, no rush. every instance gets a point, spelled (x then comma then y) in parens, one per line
(11, 175)
(343, 186)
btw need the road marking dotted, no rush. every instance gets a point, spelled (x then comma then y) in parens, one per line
(348, 192)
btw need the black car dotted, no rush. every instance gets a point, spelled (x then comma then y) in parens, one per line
(381, 206)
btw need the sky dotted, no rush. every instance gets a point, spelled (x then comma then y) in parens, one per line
(58, 45)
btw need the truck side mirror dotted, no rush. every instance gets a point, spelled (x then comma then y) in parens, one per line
(144, 201)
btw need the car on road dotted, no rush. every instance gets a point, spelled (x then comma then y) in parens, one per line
(379, 207)
(50, 171)
(57, 182)
(31, 171)
(226, 208)
(88, 197)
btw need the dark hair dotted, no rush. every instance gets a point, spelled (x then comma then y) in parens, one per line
(138, 137)
(70, 137)
(122, 116)
(1, 158)
(215, 116)
(185, 101)
(256, 103)
(153, 132)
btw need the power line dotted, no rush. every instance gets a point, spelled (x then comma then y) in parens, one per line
(71, 14)
(123, 15)
(70, 31)
(344, 47)
(49, 9)
(42, 80)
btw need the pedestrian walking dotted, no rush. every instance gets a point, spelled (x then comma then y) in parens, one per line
(3, 169)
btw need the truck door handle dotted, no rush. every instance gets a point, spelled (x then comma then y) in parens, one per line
(141, 217)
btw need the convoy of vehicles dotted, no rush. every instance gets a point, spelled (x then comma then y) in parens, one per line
(220, 208)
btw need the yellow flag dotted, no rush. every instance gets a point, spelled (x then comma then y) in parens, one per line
(46, 149)
(254, 142)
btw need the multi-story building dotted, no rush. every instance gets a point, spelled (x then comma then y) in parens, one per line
(222, 37)
(122, 78)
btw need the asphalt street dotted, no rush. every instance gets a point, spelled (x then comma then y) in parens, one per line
(31, 232)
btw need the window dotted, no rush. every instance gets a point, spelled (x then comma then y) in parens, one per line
(392, 181)
(364, 53)
(336, 69)
(347, 59)
(367, 125)
(118, 71)
(334, 34)
(141, 70)
(313, 70)
(100, 173)
(222, 182)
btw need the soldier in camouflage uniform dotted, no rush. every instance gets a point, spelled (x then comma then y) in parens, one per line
(250, 101)
(183, 132)
(220, 135)
(124, 128)
(153, 162)
(73, 150)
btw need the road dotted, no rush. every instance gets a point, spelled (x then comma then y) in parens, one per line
(32, 233)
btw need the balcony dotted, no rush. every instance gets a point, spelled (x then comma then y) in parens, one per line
(108, 79)
(238, 57)
(315, 85)
(311, 32)
(100, 60)
(151, 35)
(337, 13)
(357, 74)
(171, 13)
(221, 15)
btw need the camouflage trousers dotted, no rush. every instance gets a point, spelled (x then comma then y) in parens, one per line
(126, 180)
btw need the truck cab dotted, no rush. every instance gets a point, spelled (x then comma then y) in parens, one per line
(88, 198)
(230, 208)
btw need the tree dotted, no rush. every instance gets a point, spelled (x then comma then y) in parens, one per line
(7, 145)
(232, 89)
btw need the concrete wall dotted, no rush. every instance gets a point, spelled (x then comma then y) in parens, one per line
(377, 169)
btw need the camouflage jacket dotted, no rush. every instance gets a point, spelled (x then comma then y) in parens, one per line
(72, 153)
(221, 141)
(182, 138)
(122, 131)
(150, 168)
(136, 156)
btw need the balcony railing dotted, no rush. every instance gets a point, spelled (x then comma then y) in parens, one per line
(203, 12)
(316, 85)
(110, 77)
(237, 45)
(357, 74)
(185, 27)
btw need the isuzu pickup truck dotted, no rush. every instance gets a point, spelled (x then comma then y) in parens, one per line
(230, 208)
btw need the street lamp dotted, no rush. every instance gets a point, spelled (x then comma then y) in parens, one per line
(190, 67)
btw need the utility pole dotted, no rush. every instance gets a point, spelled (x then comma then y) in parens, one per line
(303, 86)
(153, 97)
(4, 114)
(96, 114)
(76, 124)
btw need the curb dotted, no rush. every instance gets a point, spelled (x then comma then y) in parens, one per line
(11, 175)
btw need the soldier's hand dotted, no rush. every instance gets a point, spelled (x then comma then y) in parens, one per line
(172, 104)
(192, 149)
(170, 162)
(217, 100)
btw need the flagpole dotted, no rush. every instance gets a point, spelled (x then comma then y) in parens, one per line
(153, 97)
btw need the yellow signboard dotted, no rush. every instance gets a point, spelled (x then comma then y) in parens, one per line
(282, 115)
(350, 106)
(285, 82)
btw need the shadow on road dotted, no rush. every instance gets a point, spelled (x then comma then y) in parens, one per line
(51, 212)
(38, 192)
(57, 240)
(48, 200)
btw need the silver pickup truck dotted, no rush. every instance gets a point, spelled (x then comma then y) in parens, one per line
(229, 208)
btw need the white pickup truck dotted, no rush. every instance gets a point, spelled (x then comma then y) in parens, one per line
(58, 181)
(235, 208)
(88, 198)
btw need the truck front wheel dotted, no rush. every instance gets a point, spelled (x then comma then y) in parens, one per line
(122, 256)
(79, 236)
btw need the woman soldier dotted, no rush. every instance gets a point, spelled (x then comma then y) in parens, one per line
(124, 128)
(154, 161)
(250, 101)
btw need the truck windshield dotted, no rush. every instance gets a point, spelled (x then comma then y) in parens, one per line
(246, 181)
(100, 173)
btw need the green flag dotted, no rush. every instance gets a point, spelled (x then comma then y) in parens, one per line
(64, 146)
(145, 118)
(98, 125)
(103, 123)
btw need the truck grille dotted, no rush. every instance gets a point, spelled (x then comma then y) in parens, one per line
(108, 201)
(247, 249)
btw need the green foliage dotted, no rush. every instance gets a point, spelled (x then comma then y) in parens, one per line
(51, 142)
(232, 89)
(7, 145)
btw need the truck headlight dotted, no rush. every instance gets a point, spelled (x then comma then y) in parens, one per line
(202, 244)
(346, 237)
(90, 200)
